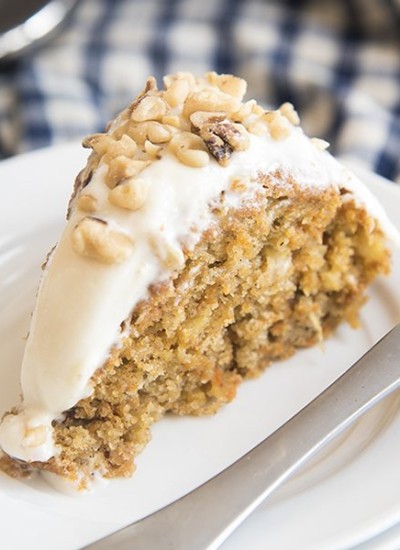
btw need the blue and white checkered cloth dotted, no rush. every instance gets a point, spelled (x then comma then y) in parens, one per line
(337, 61)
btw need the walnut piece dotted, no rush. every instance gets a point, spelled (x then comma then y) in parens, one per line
(131, 194)
(152, 151)
(176, 92)
(195, 117)
(121, 168)
(257, 127)
(193, 157)
(210, 100)
(169, 79)
(222, 137)
(149, 108)
(278, 125)
(98, 142)
(171, 120)
(104, 144)
(320, 144)
(189, 149)
(87, 203)
(229, 84)
(200, 118)
(94, 239)
(81, 181)
(150, 87)
(151, 130)
(244, 111)
(289, 112)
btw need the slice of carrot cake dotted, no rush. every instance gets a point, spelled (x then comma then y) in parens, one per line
(206, 237)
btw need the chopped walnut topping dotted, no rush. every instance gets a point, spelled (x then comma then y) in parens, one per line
(152, 151)
(222, 137)
(279, 127)
(121, 168)
(189, 149)
(209, 100)
(169, 79)
(82, 180)
(320, 144)
(229, 84)
(200, 118)
(195, 117)
(125, 146)
(289, 112)
(244, 111)
(150, 87)
(149, 108)
(98, 142)
(157, 133)
(93, 238)
(257, 127)
(177, 92)
(130, 194)
(87, 203)
(104, 144)
(193, 157)
(150, 130)
(171, 120)
(257, 110)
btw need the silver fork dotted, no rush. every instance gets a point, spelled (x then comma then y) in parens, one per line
(204, 518)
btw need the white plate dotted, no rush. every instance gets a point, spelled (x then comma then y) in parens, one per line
(349, 494)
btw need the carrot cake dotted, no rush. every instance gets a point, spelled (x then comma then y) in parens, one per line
(205, 238)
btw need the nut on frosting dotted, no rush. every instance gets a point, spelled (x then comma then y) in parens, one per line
(197, 120)
(192, 118)
(130, 194)
(87, 203)
(93, 238)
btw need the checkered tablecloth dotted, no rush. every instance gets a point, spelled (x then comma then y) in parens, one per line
(337, 61)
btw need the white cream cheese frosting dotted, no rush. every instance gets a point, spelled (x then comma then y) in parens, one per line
(82, 303)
